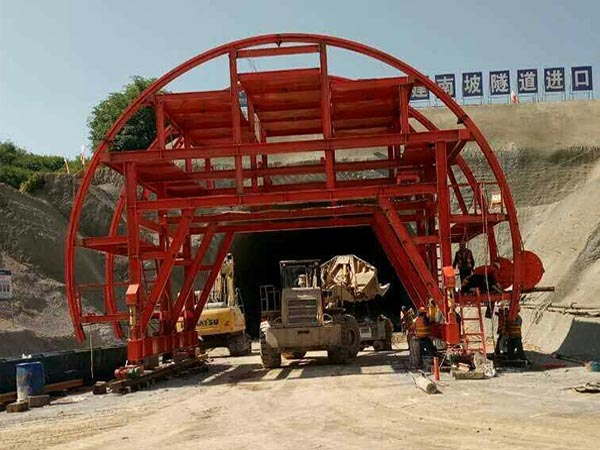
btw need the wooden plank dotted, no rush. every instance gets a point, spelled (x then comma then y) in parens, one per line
(471, 375)
(125, 385)
(54, 387)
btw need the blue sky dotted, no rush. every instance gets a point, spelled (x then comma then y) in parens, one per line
(59, 58)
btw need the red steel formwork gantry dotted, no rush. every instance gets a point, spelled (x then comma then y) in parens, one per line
(217, 168)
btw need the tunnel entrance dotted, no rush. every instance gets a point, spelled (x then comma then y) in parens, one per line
(257, 257)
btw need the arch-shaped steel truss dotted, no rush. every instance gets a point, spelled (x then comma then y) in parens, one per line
(217, 168)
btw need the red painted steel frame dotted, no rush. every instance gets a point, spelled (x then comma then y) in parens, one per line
(405, 196)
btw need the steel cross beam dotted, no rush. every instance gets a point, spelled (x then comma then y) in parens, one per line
(307, 196)
(299, 213)
(274, 148)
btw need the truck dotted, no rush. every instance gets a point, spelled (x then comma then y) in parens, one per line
(298, 320)
(222, 322)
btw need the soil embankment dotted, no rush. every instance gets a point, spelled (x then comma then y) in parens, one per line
(32, 236)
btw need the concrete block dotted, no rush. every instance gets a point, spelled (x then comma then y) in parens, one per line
(100, 388)
(17, 407)
(37, 401)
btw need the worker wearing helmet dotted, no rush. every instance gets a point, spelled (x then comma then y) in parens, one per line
(515, 339)
(423, 333)
(407, 317)
(464, 261)
(483, 278)
(422, 322)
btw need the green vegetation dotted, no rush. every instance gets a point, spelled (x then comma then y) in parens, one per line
(23, 170)
(138, 132)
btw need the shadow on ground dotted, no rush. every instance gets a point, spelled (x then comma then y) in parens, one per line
(222, 370)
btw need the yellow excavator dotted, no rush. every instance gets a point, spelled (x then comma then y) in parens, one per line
(222, 323)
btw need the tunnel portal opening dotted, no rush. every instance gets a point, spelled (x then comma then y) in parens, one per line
(257, 257)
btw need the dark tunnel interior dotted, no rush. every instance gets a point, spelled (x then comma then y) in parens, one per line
(257, 259)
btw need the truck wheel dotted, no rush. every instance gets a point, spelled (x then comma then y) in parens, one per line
(378, 346)
(240, 345)
(293, 355)
(247, 344)
(389, 329)
(387, 344)
(338, 355)
(352, 335)
(271, 358)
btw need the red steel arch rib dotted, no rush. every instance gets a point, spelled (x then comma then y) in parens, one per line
(211, 172)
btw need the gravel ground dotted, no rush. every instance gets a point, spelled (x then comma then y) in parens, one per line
(309, 404)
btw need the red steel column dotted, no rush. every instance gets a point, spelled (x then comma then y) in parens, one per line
(430, 214)
(253, 162)
(133, 249)
(326, 119)
(236, 120)
(160, 125)
(208, 168)
(164, 300)
(188, 161)
(390, 157)
(443, 201)
(264, 159)
(404, 98)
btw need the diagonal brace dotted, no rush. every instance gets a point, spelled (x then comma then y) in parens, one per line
(399, 260)
(166, 268)
(210, 281)
(188, 282)
(413, 254)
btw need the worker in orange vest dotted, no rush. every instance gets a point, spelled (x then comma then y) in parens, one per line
(515, 339)
(422, 332)
(422, 329)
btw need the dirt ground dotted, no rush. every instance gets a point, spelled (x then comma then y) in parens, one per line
(308, 404)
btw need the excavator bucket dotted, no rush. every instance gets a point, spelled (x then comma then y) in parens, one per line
(351, 279)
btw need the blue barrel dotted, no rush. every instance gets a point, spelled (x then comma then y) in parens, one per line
(31, 380)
